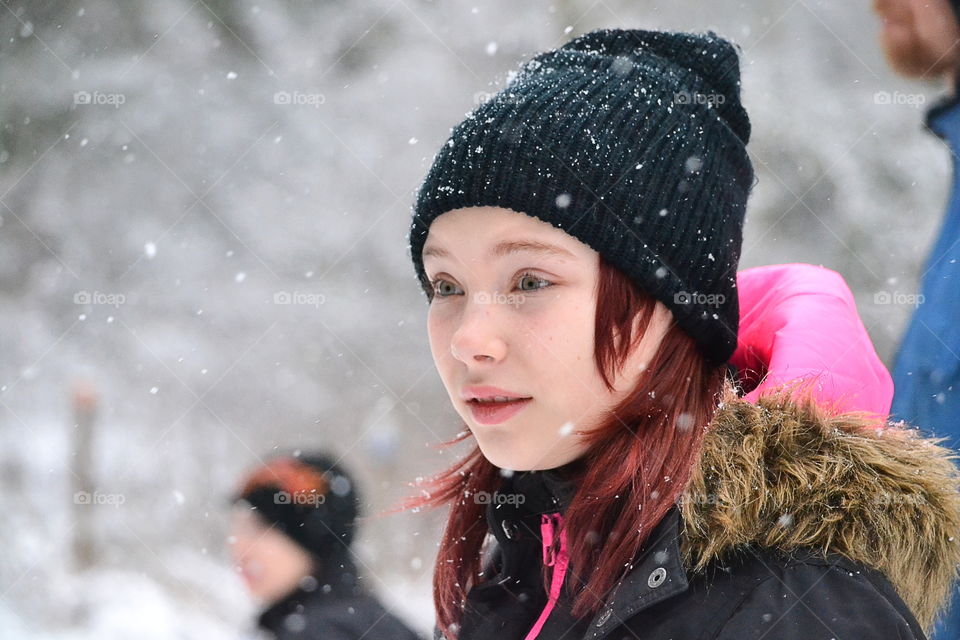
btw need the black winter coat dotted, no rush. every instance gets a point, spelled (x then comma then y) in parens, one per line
(337, 609)
(857, 501)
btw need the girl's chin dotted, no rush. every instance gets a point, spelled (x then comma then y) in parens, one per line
(509, 455)
(504, 455)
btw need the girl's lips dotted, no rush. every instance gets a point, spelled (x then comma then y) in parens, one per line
(497, 412)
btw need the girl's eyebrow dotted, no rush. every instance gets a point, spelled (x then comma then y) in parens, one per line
(508, 247)
(529, 246)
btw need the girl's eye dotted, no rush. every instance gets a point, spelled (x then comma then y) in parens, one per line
(444, 288)
(530, 282)
(527, 282)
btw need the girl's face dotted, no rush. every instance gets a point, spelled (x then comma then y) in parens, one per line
(270, 563)
(512, 318)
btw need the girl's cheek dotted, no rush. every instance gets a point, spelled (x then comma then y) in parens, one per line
(435, 324)
(440, 334)
(551, 318)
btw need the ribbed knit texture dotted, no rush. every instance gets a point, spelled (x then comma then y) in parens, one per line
(633, 142)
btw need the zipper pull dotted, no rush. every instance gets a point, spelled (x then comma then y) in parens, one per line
(548, 533)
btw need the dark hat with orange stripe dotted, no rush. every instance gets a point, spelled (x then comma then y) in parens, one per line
(307, 496)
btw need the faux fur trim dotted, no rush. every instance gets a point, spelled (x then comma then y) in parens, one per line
(786, 474)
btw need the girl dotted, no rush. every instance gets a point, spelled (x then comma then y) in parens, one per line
(577, 238)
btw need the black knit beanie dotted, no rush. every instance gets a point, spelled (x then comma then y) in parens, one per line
(633, 142)
(308, 497)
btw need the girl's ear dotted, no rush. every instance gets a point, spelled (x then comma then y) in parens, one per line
(647, 337)
(624, 352)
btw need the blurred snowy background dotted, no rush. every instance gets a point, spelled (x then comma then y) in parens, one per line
(202, 260)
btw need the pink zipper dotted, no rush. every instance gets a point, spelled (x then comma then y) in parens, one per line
(549, 525)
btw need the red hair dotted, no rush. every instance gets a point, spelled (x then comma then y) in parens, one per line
(637, 461)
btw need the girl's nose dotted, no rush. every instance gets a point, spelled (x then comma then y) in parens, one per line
(478, 339)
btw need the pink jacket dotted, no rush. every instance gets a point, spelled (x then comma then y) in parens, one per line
(799, 322)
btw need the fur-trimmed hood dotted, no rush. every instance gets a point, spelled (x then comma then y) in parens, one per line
(786, 474)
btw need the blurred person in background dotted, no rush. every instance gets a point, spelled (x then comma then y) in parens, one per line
(921, 39)
(292, 524)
